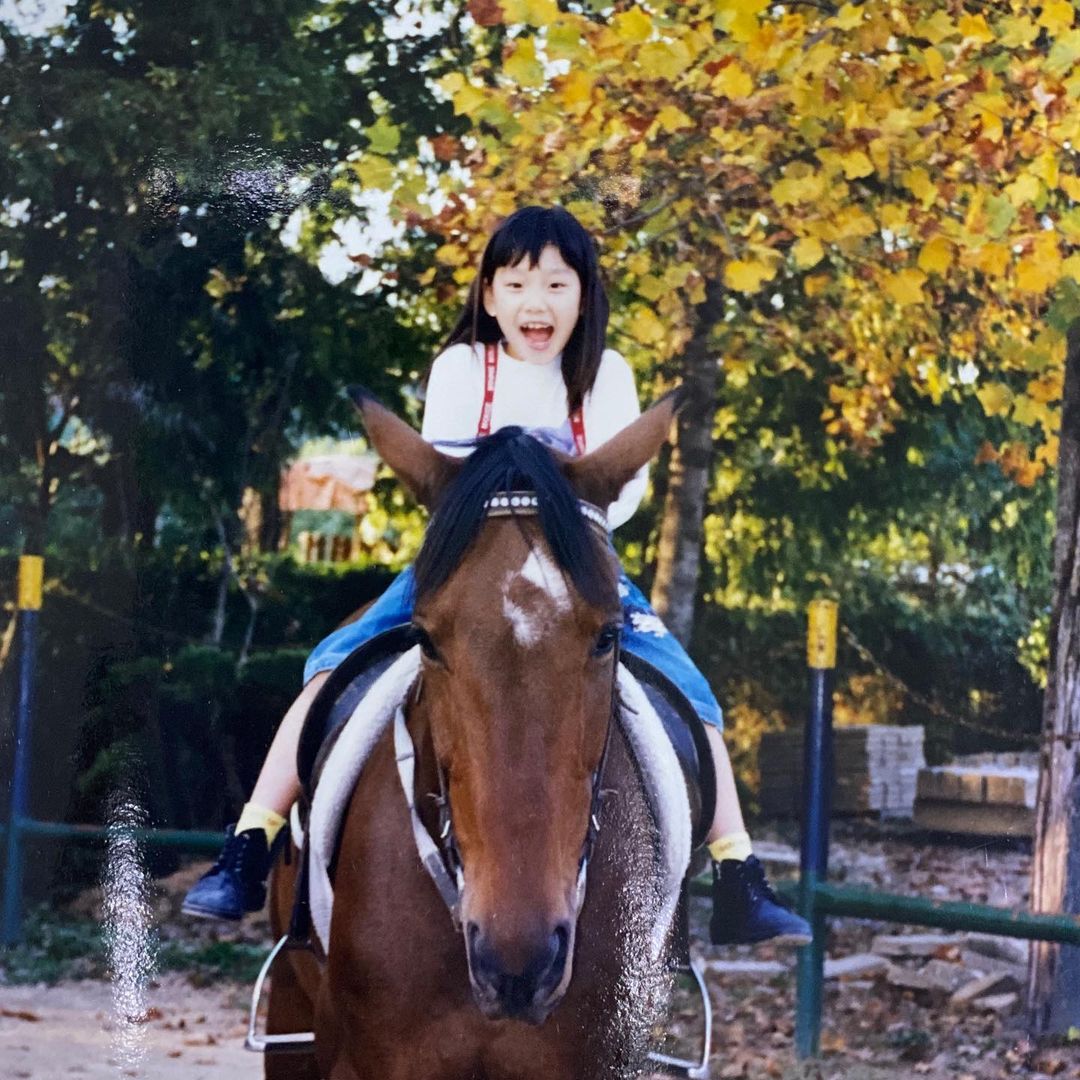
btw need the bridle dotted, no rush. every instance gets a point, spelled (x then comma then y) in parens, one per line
(440, 856)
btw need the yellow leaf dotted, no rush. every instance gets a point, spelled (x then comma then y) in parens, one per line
(563, 42)
(992, 259)
(672, 118)
(935, 62)
(853, 222)
(732, 82)
(798, 189)
(633, 26)
(468, 99)
(1039, 270)
(974, 27)
(1071, 186)
(1048, 455)
(374, 172)
(856, 164)
(1071, 266)
(646, 327)
(918, 182)
(815, 284)
(995, 399)
(905, 286)
(1045, 167)
(451, 255)
(453, 82)
(1017, 31)
(936, 256)
(533, 12)
(992, 128)
(675, 276)
(1028, 411)
(849, 17)
(577, 88)
(748, 276)
(522, 65)
(668, 59)
(1024, 189)
(894, 216)
(936, 28)
(808, 252)
(1056, 16)
(652, 288)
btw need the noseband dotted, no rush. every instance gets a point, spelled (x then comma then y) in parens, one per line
(441, 859)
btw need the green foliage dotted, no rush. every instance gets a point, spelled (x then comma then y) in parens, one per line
(54, 947)
(57, 946)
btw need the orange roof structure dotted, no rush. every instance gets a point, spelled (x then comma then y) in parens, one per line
(329, 482)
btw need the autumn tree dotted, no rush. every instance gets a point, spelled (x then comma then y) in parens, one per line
(878, 197)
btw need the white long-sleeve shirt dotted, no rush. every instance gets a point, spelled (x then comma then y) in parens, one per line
(532, 396)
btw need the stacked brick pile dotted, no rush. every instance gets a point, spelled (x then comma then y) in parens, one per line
(876, 767)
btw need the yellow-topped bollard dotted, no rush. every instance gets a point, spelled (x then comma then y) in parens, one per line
(821, 634)
(31, 575)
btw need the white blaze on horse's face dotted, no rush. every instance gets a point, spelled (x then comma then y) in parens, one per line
(531, 615)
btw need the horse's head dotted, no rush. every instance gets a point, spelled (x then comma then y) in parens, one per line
(519, 617)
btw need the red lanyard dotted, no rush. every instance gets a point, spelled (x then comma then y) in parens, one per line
(483, 428)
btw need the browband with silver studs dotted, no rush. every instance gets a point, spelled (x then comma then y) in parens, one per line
(518, 502)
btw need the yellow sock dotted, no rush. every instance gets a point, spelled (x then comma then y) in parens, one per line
(732, 845)
(254, 816)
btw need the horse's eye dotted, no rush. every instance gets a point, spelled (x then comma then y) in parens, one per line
(605, 640)
(427, 646)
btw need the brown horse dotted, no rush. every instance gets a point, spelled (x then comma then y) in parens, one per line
(545, 968)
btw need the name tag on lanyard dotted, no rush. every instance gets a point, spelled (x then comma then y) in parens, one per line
(483, 428)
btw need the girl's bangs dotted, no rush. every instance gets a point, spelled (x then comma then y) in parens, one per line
(530, 230)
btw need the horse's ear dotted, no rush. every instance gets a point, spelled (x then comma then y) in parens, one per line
(601, 475)
(416, 463)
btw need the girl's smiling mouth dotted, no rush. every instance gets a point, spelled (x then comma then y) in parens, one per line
(537, 334)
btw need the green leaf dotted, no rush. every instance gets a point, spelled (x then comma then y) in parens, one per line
(1000, 214)
(383, 137)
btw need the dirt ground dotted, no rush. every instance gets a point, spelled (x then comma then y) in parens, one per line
(75, 1030)
(874, 1029)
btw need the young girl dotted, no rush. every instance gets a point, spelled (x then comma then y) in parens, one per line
(528, 350)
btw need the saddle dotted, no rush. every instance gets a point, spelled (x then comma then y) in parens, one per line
(355, 675)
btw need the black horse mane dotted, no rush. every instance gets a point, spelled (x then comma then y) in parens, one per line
(511, 460)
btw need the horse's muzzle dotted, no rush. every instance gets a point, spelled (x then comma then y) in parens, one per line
(529, 993)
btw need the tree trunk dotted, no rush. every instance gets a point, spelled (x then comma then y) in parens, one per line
(678, 562)
(1054, 976)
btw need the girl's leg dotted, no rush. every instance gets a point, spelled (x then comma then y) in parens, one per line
(727, 818)
(278, 785)
(745, 909)
(237, 881)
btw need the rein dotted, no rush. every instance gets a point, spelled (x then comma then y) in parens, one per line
(441, 859)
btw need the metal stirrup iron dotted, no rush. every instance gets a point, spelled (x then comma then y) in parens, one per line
(694, 1070)
(288, 1042)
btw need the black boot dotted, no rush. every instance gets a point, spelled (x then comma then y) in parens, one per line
(236, 883)
(746, 910)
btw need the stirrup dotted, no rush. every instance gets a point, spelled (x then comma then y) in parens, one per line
(288, 1042)
(693, 1070)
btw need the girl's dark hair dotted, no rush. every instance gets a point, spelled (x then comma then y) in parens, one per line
(527, 232)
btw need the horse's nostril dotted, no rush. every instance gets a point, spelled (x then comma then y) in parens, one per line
(560, 941)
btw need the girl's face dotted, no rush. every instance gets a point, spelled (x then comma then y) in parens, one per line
(536, 307)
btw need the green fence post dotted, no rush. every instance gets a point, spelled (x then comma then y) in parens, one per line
(817, 806)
